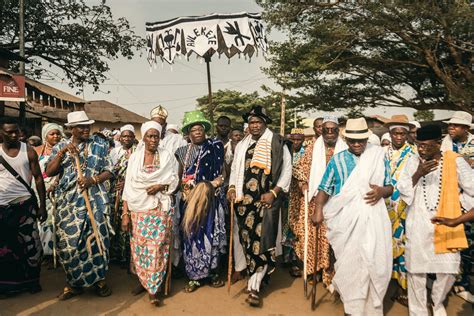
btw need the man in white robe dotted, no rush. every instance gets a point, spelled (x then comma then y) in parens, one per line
(350, 200)
(420, 187)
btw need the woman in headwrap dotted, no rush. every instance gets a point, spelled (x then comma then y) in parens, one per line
(151, 178)
(202, 203)
(51, 134)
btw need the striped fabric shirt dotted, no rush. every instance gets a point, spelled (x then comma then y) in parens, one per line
(340, 168)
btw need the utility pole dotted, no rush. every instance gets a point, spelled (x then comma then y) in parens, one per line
(282, 114)
(21, 28)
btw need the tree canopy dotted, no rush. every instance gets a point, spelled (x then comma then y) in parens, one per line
(234, 104)
(414, 54)
(68, 40)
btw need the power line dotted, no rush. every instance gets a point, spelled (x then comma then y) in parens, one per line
(187, 98)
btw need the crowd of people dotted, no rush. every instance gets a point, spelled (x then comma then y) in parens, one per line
(345, 207)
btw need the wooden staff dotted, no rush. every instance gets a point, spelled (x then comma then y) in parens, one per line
(315, 271)
(95, 231)
(231, 243)
(170, 265)
(53, 220)
(305, 256)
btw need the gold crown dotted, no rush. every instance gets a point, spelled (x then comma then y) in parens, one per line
(160, 112)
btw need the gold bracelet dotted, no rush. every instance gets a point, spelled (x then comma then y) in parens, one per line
(230, 189)
(123, 214)
(274, 193)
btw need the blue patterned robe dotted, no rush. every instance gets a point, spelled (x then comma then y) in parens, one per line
(82, 269)
(202, 249)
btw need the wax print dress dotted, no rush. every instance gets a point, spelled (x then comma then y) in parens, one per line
(120, 242)
(397, 211)
(83, 269)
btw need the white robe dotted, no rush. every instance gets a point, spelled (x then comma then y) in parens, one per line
(171, 142)
(419, 247)
(361, 236)
(137, 181)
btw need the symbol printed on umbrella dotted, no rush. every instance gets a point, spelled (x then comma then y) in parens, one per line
(235, 30)
(170, 41)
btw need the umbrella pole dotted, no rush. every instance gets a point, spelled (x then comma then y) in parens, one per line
(207, 58)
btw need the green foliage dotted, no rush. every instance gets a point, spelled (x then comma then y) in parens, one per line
(424, 115)
(234, 104)
(68, 40)
(415, 54)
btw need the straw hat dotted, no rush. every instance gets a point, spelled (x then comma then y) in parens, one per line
(400, 119)
(356, 129)
(460, 118)
(78, 118)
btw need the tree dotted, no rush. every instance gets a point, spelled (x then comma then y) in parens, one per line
(415, 54)
(234, 104)
(68, 40)
(424, 115)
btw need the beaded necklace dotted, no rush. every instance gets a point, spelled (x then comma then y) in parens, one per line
(186, 161)
(423, 184)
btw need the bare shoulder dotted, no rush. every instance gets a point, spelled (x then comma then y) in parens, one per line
(32, 155)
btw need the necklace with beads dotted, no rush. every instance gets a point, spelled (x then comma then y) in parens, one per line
(423, 185)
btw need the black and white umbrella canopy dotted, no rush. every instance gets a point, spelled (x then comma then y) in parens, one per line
(228, 34)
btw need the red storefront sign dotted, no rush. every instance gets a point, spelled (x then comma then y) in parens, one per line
(12, 87)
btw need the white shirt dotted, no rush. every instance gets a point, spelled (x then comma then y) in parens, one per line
(116, 153)
(419, 252)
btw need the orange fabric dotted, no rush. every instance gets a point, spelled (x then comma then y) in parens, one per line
(449, 239)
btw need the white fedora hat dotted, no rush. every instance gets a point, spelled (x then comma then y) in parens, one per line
(78, 118)
(461, 118)
(356, 129)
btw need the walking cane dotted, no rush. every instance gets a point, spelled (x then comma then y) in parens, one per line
(170, 265)
(315, 272)
(53, 221)
(95, 231)
(231, 243)
(305, 256)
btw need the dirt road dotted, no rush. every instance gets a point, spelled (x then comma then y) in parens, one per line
(284, 296)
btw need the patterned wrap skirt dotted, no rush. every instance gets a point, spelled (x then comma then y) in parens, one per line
(150, 246)
(20, 248)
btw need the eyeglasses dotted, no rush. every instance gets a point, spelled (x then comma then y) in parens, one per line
(356, 141)
(327, 130)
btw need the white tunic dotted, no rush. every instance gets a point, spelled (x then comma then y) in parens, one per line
(171, 142)
(419, 250)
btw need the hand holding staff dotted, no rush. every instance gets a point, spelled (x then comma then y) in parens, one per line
(95, 230)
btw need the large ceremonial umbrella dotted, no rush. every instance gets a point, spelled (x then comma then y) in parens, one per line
(224, 34)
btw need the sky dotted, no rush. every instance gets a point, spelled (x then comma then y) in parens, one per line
(135, 86)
